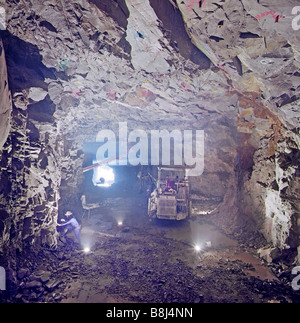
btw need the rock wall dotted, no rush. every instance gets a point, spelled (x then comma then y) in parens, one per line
(5, 106)
(5, 126)
(254, 44)
(76, 67)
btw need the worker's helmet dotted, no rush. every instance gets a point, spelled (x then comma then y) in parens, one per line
(68, 213)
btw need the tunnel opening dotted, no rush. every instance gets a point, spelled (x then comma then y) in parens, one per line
(122, 179)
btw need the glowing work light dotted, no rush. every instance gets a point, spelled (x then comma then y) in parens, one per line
(197, 248)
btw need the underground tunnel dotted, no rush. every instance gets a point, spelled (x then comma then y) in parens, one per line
(149, 152)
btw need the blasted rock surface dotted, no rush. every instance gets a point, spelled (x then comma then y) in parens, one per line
(78, 67)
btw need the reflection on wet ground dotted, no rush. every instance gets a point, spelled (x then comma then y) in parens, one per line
(142, 261)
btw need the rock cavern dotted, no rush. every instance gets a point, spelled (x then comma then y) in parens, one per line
(70, 70)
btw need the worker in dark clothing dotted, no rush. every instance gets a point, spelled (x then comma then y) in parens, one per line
(71, 225)
(170, 184)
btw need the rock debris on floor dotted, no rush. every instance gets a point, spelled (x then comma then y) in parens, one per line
(149, 262)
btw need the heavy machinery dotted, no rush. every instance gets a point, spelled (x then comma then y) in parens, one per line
(170, 199)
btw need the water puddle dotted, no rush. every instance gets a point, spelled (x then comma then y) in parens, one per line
(214, 246)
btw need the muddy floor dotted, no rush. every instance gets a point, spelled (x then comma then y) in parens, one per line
(153, 262)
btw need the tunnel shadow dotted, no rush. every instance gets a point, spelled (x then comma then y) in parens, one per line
(174, 224)
(24, 64)
(174, 27)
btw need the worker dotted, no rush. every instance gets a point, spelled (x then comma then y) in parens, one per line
(148, 193)
(170, 183)
(71, 224)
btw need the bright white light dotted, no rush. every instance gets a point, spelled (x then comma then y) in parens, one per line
(103, 176)
(120, 223)
(86, 250)
(197, 248)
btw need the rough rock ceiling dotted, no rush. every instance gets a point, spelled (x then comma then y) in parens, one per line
(230, 68)
(78, 48)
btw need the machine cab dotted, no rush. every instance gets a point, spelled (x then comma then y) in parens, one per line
(170, 199)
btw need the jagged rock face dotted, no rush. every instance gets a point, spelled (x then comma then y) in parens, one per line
(5, 107)
(76, 67)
